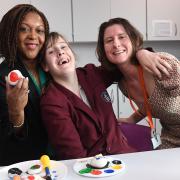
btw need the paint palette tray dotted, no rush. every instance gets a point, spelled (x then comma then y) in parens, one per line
(58, 169)
(115, 166)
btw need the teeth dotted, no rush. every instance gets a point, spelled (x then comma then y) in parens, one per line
(119, 52)
(63, 61)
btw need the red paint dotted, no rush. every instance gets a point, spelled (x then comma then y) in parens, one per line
(14, 77)
(31, 177)
(96, 172)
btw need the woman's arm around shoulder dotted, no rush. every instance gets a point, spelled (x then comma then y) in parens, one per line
(154, 63)
(171, 83)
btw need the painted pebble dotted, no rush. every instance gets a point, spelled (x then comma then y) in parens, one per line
(14, 76)
(99, 162)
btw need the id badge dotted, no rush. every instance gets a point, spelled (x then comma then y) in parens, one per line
(155, 138)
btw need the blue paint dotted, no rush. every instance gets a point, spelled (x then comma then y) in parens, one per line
(109, 171)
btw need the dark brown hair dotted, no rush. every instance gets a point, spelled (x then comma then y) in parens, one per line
(9, 28)
(53, 38)
(134, 35)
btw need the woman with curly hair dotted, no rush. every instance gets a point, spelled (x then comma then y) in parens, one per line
(23, 31)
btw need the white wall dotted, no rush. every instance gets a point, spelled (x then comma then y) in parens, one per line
(86, 51)
(172, 47)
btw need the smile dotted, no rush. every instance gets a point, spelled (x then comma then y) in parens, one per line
(63, 61)
(118, 52)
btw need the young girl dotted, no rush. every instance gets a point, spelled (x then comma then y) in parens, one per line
(76, 108)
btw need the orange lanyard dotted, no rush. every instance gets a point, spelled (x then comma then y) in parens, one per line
(132, 105)
(147, 106)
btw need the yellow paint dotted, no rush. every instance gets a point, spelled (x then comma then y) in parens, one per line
(116, 167)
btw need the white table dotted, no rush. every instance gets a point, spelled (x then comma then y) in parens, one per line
(150, 165)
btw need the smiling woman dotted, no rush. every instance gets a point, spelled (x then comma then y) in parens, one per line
(23, 31)
(117, 44)
(117, 37)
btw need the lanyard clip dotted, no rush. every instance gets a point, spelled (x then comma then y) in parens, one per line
(155, 138)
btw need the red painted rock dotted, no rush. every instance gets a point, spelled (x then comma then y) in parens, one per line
(14, 76)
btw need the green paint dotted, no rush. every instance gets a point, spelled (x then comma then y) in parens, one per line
(86, 170)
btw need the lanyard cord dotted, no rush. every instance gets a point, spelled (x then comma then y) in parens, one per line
(132, 105)
(148, 109)
(147, 106)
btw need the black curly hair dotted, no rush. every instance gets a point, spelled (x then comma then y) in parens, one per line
(9, 28)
